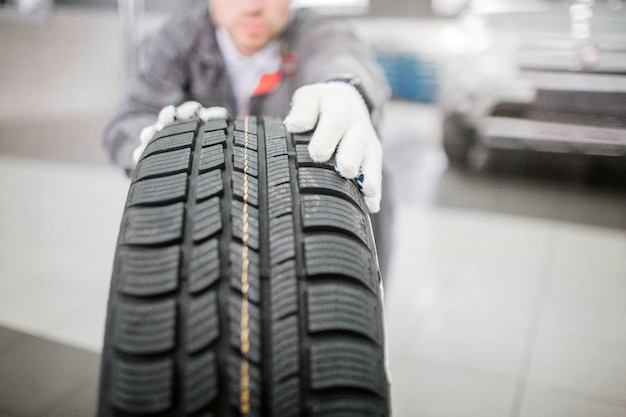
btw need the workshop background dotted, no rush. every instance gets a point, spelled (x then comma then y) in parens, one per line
(507, 289)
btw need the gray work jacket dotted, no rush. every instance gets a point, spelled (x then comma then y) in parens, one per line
(183, 62)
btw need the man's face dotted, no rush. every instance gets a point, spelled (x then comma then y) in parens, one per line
(252, 24)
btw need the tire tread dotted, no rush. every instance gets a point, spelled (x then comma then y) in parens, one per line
(195, 219)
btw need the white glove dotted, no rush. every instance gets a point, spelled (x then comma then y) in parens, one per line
(172, 114)
(344, 123)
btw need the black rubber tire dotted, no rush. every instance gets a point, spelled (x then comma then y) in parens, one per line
(207, 319)
(458, 139)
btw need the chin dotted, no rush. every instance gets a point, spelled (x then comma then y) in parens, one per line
(253, 44)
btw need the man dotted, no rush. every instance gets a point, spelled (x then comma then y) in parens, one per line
(258, 57)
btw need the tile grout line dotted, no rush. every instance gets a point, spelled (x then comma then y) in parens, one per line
(533, 332)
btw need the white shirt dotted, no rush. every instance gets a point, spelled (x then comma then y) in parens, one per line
(245, 72)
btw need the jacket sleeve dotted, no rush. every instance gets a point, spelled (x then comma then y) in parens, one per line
(160, 80)
(331, 48)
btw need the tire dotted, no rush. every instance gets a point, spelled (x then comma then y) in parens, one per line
(245, 282)
(458, 139)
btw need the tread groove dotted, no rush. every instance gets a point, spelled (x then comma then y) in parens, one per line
(185, 305)
(224, 374)
(305, 364)
(267, 352)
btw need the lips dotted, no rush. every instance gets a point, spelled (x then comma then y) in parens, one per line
(253, 27)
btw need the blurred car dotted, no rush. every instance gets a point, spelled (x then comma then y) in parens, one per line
(546, 76)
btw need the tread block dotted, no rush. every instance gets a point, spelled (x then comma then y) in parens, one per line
(177, 129)
(286, 398)
(143, 328)
(204, 269)
(159, 165)
(254, 281)
(142, 387)
(342, 306)
(349, 405)
(200, 382)
(146, 273)
(234, 369)
(303, 155)
(164, 190)
(254, 328)
(330, 212)
(209, 184)
(211, 138)
(274, 127)
(240, 140)
(240, 124)
(253, 188)
(324, 181)
(153, 225)
(278, 171)
(304, 159)
(208, 219)
(202, 322)
(280, 200)
(286, 349)
(169, 143)
(331, 255)
(253, 166)
(215, 124)
(211, 157)
(286, 379)
(282, 240)
(275, 147)
(301, 138)
(284, 290)
(343, 362)
(238, 224)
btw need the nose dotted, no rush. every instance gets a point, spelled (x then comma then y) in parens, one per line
(253, 6)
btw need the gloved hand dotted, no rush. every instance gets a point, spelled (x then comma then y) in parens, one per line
(344, 123)
(172, 114)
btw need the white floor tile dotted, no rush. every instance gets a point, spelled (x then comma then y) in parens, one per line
(494, 296)
(580, 368)
(461, 293)
(459, 341)
(419, 390)
(585, 321)
(38, 309)
(85, 329)
(590, 262)
(586, 301)
(14, 284)
(59, 225)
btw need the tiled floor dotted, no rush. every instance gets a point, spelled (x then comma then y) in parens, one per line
(507, 294)
(493, 315)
